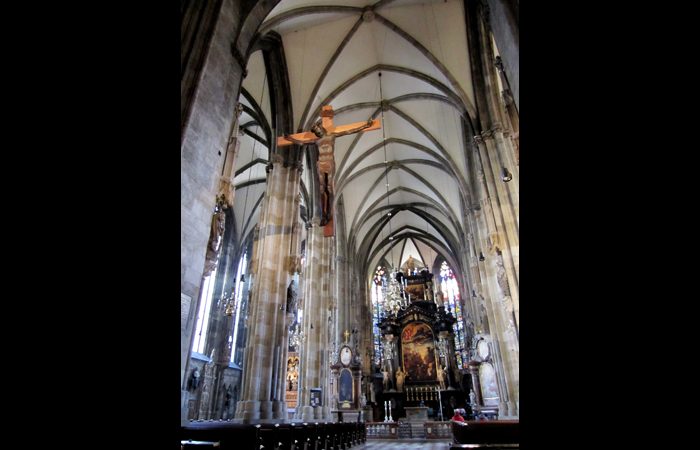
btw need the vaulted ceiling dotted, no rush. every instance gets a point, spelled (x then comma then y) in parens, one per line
(406, 62)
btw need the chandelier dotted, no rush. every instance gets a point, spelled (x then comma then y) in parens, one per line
(296, 338)
(230, 303)
(395, 297)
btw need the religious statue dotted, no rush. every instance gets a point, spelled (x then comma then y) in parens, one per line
(372, 392)
(363, 400)
(386, 379)
(503, 279)
(218, 225)
(334, 402)
(441, 376)
(472, 397)
(195, 378)
(330, 328)
(439, 298)
(291, 299)
(325, 142)
(400, 379)
(204, 402)
(429, 291)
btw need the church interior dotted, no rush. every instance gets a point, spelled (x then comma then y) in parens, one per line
(350, 214)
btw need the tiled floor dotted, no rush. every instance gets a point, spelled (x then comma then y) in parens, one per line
(404, 444)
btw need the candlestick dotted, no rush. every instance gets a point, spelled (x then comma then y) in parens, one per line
(386, 419)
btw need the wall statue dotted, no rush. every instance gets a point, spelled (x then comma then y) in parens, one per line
(291, 299)
(503, 280)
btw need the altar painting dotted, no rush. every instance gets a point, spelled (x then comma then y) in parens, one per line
(345, 389)
(418, 352)
(417, 291)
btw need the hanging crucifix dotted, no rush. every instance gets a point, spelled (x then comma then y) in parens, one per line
(323, 134)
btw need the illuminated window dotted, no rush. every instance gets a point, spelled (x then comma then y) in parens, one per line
(200, 332)
(450, 292)
(238, 293)
(377, 304)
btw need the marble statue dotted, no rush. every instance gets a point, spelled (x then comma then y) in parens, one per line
(400, 379)
(441, 376)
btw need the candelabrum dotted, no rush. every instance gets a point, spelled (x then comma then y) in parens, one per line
(396, 298)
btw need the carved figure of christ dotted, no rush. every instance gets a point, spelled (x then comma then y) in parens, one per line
(323, 134)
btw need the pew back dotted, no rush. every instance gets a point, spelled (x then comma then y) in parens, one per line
(486, 432)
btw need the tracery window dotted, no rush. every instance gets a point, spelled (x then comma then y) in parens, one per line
(450, 292)
(200, 332)
(242, 267)
(377, 304)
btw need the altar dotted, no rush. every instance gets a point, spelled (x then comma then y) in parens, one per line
(417, 414)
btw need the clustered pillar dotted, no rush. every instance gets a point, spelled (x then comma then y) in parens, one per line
(314, 370)
(266, 349)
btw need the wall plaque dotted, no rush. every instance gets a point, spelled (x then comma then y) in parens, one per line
(185, 301)
(316, 396)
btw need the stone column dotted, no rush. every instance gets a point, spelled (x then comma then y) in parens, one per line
(504, 209)
(263, 390)
(315, 367)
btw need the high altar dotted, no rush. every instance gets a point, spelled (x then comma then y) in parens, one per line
(410, 377)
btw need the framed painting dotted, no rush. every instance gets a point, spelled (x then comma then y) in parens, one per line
(417, 291)
(346, 390)
(418, 352)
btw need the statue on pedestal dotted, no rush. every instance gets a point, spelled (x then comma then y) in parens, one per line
(400, 379)
(441, 376)
(386, 380)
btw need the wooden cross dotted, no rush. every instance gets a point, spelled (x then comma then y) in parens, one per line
(309, 137)
(346, 334)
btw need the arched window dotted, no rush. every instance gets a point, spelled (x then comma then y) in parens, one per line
(200, 332)
(377, 304)
(238, 295)
(450, 292)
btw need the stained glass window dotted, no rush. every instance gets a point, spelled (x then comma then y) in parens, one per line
(450, 292)
(377, 304)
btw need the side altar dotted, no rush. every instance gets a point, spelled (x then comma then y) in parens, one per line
(347, 400)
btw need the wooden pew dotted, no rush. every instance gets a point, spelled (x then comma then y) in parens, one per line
(285, 437)
(299, 436)
(492, 433)
(335, 436)
(268, 436)
(230, 436)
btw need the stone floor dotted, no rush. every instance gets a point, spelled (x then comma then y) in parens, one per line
(404, 444)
